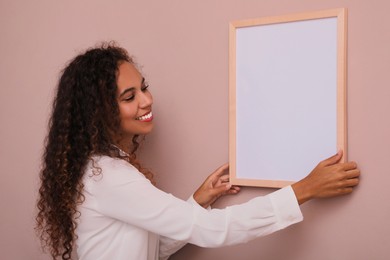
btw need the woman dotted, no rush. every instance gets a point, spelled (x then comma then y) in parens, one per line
(95, 194)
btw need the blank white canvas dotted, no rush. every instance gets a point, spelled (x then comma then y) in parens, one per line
(286, 93)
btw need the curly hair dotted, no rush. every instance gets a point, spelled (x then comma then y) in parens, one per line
(84, 122)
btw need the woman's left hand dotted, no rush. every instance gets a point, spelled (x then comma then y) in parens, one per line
(216, 185)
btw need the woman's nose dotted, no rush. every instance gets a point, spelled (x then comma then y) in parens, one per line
(146, 99)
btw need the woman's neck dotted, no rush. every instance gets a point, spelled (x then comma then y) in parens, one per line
(125, 146)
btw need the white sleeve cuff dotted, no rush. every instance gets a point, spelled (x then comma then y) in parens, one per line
(192, 201)
(286, 206)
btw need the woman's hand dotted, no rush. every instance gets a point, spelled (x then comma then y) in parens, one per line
(328, 179)
(216, 185)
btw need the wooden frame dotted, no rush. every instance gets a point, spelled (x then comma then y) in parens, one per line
(253, 111)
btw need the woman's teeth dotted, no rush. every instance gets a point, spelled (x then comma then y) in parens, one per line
(145, 117)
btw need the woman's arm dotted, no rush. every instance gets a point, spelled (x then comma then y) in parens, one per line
(123, 194)
(329, 179)
(215, 186)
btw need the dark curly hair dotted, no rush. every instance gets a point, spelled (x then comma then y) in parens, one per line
(84, 122)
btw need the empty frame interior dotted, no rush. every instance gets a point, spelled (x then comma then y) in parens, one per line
(287, 84)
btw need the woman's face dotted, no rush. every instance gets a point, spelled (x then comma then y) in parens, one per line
(134, 101)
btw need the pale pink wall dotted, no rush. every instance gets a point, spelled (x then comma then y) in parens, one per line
(183, 46)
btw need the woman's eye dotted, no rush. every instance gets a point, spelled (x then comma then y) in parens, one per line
(145, 88)
(129, 98)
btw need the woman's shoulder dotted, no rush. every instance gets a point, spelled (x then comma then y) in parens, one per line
(103, 167)
(105, 161)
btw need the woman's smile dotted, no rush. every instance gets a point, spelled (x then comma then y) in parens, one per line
(146, 118)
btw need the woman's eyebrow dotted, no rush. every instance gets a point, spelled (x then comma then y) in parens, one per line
(131, 88)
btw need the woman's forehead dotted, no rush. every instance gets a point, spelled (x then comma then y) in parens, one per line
(128, 76)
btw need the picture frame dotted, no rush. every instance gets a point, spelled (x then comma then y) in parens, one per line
(287, 95)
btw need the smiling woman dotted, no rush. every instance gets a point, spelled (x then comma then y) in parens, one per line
(135, 102)
(95, 194)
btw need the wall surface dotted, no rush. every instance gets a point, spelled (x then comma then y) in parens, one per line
(183, 48)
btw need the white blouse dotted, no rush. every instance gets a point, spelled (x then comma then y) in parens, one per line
(124, 216)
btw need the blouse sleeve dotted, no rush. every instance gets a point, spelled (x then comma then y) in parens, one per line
(170, 246)
(125, 194)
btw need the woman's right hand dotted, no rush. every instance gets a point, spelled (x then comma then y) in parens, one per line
(328, 179)
(216, 185)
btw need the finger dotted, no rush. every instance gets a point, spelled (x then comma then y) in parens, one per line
(355, 173)
(224, 178)
(232, 192)
(351, 182)
(344, 191)
(349, 166)
(221, 175)
(333, 159)
(348, 183)
(214, 176)
(221, 189)
(222, 170)
(235, 188)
